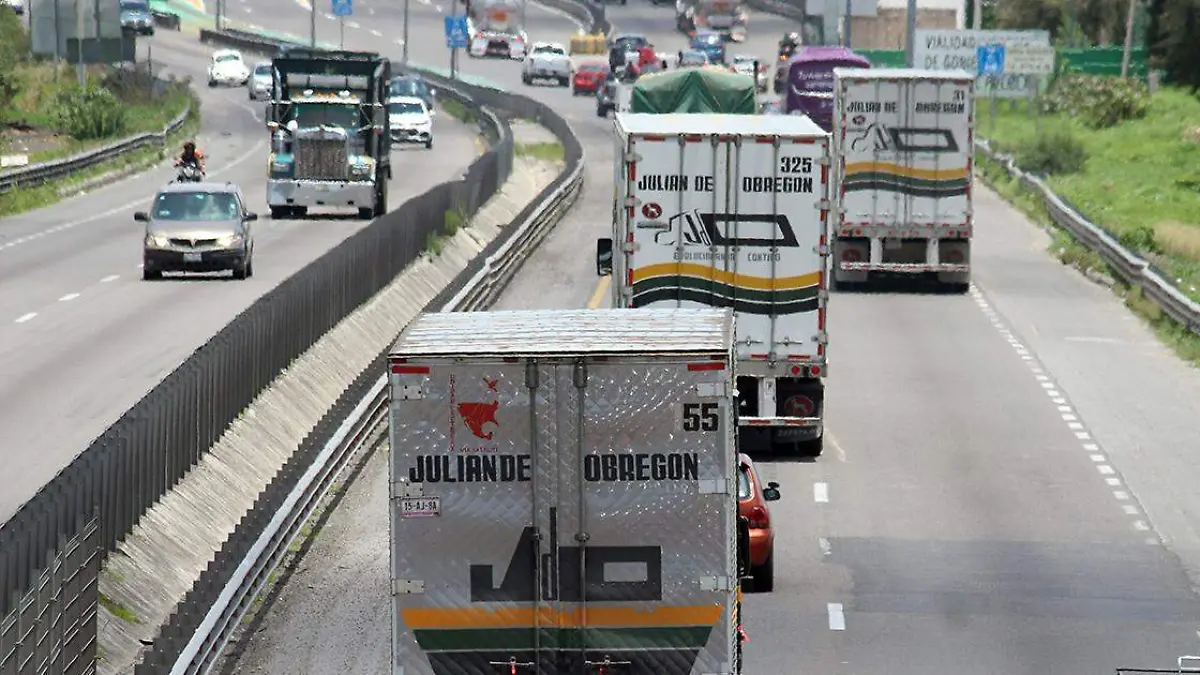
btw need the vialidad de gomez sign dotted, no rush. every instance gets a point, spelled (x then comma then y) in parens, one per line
(942, 49)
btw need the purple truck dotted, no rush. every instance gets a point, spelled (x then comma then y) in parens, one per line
(810, 81)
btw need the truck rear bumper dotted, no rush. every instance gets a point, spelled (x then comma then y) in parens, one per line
(320, 193)
(902, 268)
(947, 255)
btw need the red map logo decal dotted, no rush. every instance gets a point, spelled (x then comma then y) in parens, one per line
(478, 415)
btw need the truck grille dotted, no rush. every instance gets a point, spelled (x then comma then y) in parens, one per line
(321, 159)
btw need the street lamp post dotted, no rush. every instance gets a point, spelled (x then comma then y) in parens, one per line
(404, 54)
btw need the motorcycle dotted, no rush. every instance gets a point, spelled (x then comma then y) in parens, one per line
(188, 173)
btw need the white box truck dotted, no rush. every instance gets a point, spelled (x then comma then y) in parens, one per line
(564, 494)
(905, 144)
(731, 211)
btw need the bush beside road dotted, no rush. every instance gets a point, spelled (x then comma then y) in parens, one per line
(46, 115)
(1123, 158)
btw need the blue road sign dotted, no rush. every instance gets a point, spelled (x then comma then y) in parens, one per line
(456, 32)
(343, 7)
(990, 59)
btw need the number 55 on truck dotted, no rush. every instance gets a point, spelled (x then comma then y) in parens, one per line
(727, 210)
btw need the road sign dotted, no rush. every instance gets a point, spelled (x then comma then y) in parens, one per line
(457, 35)
(1029, 60)
(950, 49)
(343, 7)
(990, 59)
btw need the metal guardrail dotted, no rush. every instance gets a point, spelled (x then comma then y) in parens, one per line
(1132, 269)
(47, 171)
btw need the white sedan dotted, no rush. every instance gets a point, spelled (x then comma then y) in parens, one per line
(409, 121)
(228, 68)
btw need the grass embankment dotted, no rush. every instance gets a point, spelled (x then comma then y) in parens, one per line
(1128, 161)
(45, 114)
(546, 151)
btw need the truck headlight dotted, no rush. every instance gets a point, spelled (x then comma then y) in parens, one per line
(360, 170)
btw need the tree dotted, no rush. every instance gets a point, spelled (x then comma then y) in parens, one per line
(1179, 45)
(14, 49)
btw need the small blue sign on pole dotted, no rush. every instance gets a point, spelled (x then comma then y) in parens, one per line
(457, 36)
(990, 59)
(343, 7)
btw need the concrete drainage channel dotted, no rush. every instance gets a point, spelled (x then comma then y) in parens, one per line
(152, 527)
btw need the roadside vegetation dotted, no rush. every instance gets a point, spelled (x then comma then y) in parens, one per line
(546, 151)
(46, 115)
(1125, 159)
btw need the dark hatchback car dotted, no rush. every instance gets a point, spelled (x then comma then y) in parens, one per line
(412, 84)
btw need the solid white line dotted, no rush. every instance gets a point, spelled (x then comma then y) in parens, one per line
(25, 317)
(837, 618)
(111, 277)
(821, 492)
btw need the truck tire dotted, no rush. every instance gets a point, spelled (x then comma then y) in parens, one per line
(380, 200)
(955, 288)
(812, 448)
(366, 212)
(764, 575)
(280, 212)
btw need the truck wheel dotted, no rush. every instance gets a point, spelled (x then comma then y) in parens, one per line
(812, 448)
(299, 211)
(380, 201)
(526, 79)
(764, 575)
(564, 82)
(366, 212)
(956, 288)
(280, 212)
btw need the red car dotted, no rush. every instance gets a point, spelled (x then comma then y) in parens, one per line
(752, 505)
(588, 78)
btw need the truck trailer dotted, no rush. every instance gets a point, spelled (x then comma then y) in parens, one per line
(905, 144)
(564, 494)
(731, 211)
(330, 138)
(710, 89)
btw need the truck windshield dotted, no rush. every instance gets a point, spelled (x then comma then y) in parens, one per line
(326, 114)
(134, 6)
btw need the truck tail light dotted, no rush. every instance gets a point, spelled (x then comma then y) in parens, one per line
(759, 518)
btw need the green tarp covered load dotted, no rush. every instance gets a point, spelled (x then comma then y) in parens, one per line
(694, 90)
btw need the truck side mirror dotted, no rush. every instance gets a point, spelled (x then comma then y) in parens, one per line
(604, 256)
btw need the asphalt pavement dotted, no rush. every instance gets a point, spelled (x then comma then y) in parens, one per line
(1007, 486)
(83, 338)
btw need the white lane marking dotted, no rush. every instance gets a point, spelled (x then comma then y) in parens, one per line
(559, 12)
(826, 547)
(1066, 412)
(329, 16)
(1097, 340)
(68, 297)
(26, 317)
(353, 24)
(821, 493)
(111, 277)
(837, 447)
(371, 11)
(247, 10)
(376, 33)
(837, 617)
(305, 4)
(400, 41)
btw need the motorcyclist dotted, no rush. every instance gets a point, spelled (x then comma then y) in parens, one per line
(191, 155)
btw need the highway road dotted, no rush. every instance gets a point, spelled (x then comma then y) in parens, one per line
(82, 337)
(1008, 482)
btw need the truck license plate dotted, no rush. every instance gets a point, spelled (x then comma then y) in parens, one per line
(192, 257)
(420, 507)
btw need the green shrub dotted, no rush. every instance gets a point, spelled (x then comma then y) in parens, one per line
(1140, 239)
(14, 49)
(1054, 152)
(89, 113)
(1098, 102)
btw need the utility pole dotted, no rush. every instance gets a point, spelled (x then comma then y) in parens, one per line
(312, 23)
(977, 15)
(82, 70)
(1127, 53)
(910, 42)
(404, 54)
(849, 20)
